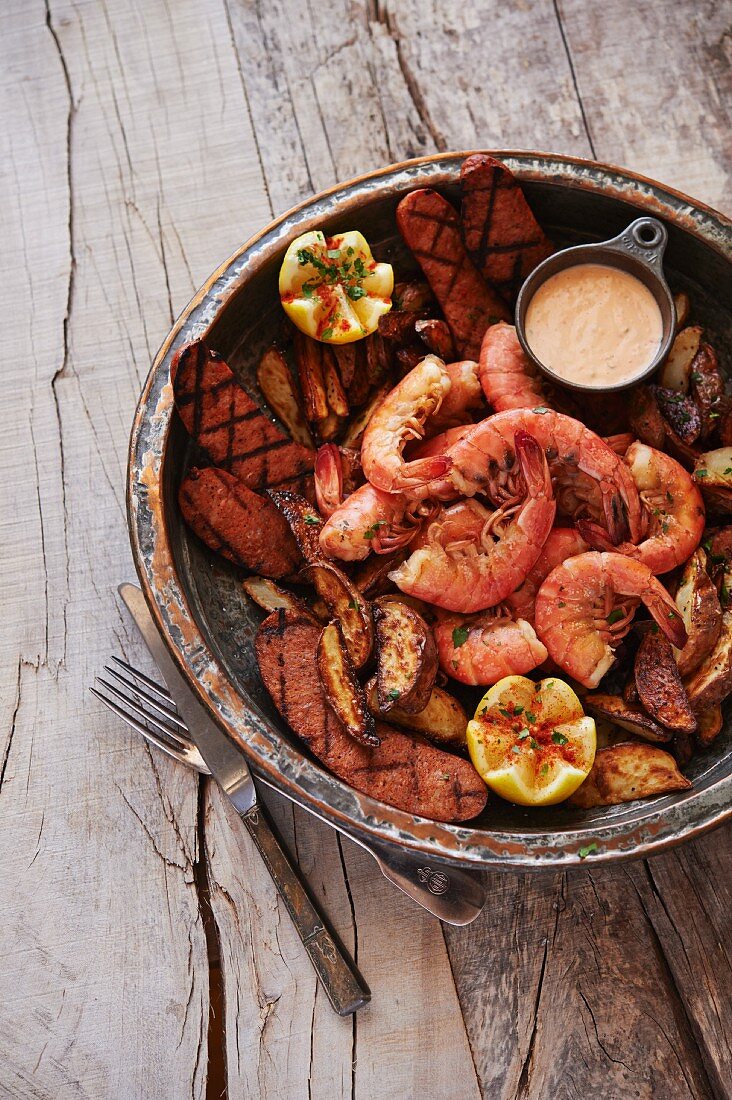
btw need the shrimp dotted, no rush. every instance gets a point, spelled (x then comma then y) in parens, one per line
(465, 395)
(370, 519)
(337, 471)
(481, 649)
(400, 417)
(562, 543)
(673, 511)
(507, 375)
(586, 605)
(472, 559)
(589, 476)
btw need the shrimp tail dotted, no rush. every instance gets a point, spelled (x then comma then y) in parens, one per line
(328, 479)
(534, 465)
(665, 612)
(596, 536)
(422, 470)
(616, 515)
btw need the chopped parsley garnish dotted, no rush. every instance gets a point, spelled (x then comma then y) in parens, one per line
(518, 710)
(354, 605)
(370, 532)
(523, 735)
(534, 743)
(515, 748)
(530, 716)
(587, 850)
(700, 473)
(544, 769)
(394, 693)
(614, 616)
(559, 738)
(312, 521)
(327, 333)
(460, 636)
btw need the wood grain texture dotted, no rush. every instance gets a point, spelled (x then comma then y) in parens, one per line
(142, 141)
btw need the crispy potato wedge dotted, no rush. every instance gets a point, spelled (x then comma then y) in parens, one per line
(607, 733)
(269, 596)
(711, 682)
(613, 708)
(709, 725)
(682, 305)
(442, 721)
(660, 688)
(278, 388)
(682, 748)
(680, 412)
(407, 358)
(707, 387)
(645, 418)
(630, 692)
(713, 475)
(356, 428)
(625, 772)
(398, 325)
(309, 359)
(413, 296)
(406, 656)
(372, 575)
(347, 605)
(304, 521)
(342, 690)
(378, 358)
(438, 338)
(676, 371)
(701, 613)
(346, 356)
(334, 392)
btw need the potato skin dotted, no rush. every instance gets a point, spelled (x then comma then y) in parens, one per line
(659, 684)
(699, 607)
(626, 772)
(406, 657)
(625, 714)
(711, 682)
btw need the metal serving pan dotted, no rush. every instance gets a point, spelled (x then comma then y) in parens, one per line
(197, 599)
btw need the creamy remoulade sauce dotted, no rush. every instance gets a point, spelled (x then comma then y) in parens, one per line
(594, 324)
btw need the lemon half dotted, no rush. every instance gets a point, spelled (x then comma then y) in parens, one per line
(532, 743)
(332, 289)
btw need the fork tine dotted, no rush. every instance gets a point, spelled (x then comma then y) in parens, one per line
(162, 692)
(138, 711)
(160, 708)
(151, 737)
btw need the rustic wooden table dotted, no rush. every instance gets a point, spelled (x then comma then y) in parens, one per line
(144, 950)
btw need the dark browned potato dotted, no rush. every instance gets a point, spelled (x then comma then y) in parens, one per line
(713, 475)
(660, 688)
(398, 325)
(676, 371)
(269, 596)
(337, 401)
(711, 683)
(406, 657)
(615, 709)
(443, 720)
(342, 690)
(304, 521)
(438, 338)
(413, 297)
(372, 575)
(680, 412)
(625, 772)
(279, 391)
(354, 432)
(645, 418)
(707, 387)
(309, 359)
(347, 605)
(710, 725)
(701, 613)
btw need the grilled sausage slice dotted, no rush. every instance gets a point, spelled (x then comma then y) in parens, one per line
(403, 771)
(503, 237)
(235, 434)
(431, 228)
(233, 521)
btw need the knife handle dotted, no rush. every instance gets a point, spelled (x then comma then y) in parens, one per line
(344, 986)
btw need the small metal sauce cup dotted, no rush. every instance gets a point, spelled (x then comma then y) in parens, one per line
(638, 250)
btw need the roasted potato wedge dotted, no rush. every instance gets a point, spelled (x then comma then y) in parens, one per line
(407, 358)
(682, 305)
(309, 359)
(347, 358)
(413, 296)
(707, 387)
(711, 682)
(660, 688)
(701, 613)
(607, 733)
(713, 475)
(406, 657)
(676, 371)
(613, 708)
(342, 690)
(304, 521)
(278, 389)
(438, 338)
(372, 575)
(625, 772)
(356, 428)
(269, 596)
(334, 392)
(398, 325)
(442, 721)
(709, 725)
(378, 358)
(680, 412)
(347, 605)
(645, 418)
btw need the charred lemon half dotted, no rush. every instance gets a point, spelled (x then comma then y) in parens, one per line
(531, 742)
(332, 289)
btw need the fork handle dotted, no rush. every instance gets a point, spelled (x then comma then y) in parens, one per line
(344, 986)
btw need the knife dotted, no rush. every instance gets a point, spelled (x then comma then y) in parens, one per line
(344, 986)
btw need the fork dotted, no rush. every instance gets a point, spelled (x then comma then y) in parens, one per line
(454, 896)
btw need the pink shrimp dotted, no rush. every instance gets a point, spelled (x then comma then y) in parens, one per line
(673, 512)
(464, 396)
(482, 649)
(562, 543)
(589, 477)
(337, 474)
(371, 520)
(586, 605)
(472, 559)
(507, 375)
(400, 417)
